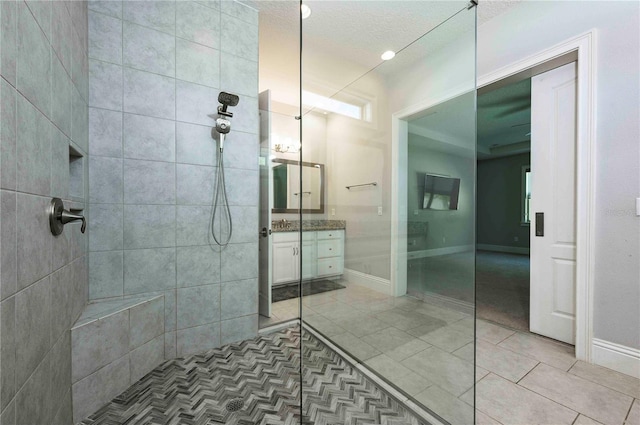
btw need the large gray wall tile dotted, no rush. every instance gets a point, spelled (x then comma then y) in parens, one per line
(7, 351)
(198, 306)
(33, 149)
(105, 180)
(34, 61)
(241, 150)
(145, 358)
(106, 85)
(32, 329)
(106, 274)
(8, 38)
(59, 164)
(194, 144)
(239, 261)
(246, 14)
(149, 94)
(242, 187)
(61, 31)
(34, 239)
(106, 227)
(79, 121)
(149, 50)
(245, 115)
(170, 306)
(198, 339)
(8, 253)
(148, 270)
(105, 38)
(60, 370)
(149, 182)
(61, 97)
(193, 225)
(198, 265)
(149, 226)
(33, 401)
(63, 299)
(64, 415)
(149, 138)
(238, 75)
(197, 63)
(108, 7)
(98, 343)
(8, 119)
(194, 184)
(97, 389)
(239, 298)
(245, 223)
(159, 15)
(239, 329)
(146, 322)
(195, 102)
(198, 23)
(105, 132)
(240, 43)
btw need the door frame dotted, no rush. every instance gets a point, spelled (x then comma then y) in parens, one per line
(584, 46)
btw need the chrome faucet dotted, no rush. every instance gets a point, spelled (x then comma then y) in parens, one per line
(58, 217)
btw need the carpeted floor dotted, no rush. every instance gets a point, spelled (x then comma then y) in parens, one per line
(288, 292)
(502, 289)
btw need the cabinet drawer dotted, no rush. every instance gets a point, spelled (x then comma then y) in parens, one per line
(329, 248)
(330, 234)
(330, 266)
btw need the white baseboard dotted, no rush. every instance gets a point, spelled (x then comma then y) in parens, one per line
(616, 357)
(372, 282)
(436, 252)
(501, 248)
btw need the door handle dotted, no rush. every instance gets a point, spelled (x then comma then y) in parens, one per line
(265, 232)
(539, 224)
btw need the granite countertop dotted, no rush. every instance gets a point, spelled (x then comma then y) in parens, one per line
(307, 225)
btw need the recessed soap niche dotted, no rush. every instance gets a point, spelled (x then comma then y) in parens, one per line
(76, 174)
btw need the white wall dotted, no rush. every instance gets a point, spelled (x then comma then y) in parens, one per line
(525, 30)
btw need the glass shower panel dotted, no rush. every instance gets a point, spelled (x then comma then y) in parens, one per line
(387, 262)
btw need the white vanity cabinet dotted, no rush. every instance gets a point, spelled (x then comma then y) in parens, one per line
(322, 255)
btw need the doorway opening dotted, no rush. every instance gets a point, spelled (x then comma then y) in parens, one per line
(503, 206)
(526, 274)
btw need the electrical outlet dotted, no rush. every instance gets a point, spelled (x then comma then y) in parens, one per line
(444, 240)
(379, 210)
(333, 211)
(516, 239)
(416, 212)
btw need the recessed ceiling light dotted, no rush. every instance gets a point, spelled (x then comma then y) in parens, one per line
(305, 10)
(389, 54)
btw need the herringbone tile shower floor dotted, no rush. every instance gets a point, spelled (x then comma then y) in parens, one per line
(265, 374)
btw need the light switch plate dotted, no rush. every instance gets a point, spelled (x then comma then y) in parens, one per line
(379, 210)
(638, 207)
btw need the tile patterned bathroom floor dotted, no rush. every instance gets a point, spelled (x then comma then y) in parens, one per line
(263, 376)
(521, 378)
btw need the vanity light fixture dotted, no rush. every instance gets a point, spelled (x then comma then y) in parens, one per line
(305, 11)
(388, 55)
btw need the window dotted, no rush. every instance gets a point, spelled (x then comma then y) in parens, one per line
(354, 108)
(525, 217)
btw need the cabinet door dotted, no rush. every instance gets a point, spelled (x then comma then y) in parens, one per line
(308, 253)
(285, 262)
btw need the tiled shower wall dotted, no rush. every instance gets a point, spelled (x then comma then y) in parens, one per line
(156, 69)
(44, 93)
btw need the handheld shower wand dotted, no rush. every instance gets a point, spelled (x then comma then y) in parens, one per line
(223, 127)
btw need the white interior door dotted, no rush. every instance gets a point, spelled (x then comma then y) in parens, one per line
(266, 200)
(553, 179)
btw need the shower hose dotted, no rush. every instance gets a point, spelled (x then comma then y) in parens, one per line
(220, 191)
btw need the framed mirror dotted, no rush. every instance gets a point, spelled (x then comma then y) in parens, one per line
(288, 196)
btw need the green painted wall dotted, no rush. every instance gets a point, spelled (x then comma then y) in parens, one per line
(499, 194)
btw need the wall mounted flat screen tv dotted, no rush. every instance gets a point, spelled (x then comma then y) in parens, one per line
(440, 193)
